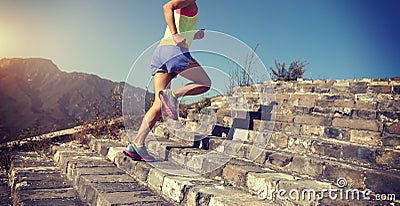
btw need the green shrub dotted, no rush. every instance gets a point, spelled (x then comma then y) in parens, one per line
(295, 71)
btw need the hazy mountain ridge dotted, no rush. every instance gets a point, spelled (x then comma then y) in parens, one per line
(35, 93)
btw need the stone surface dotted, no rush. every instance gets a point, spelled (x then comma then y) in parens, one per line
(366, 137)
(107, 184)
(358, 153)
(129, 198)
(336, 133)
(394, 128)
(237, 174)
(371, 125)
(37, 181)
(389, 158)
(326, 149)
(384, 183)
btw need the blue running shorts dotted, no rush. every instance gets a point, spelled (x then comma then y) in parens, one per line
(170, 59)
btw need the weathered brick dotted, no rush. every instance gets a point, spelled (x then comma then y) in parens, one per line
(367, 105)
(290, 102)
(279, 159)
(290, 129)
(299, 145)
(380, 89)
(307, 102)
(388, 117)
(339, 89)
(389, 158)
(284, 117)
(260, 159)
(322, 111)
(354, 176)
(393, 105)
(241, 134)
(364, 114)
(335, 133)
(278, 140)
(301, 110)
(175, 187)
(339, 96)
(396, 89)
(128, 198)
(308, 166)
(394, 128)
(358, 87)
(343, 103)
(324, 103)
(314, 130)
(366, 137)
(326, 149)
(391, 140)
(218, 195)
(382, 182)
(112, 152)
(263, 125)
(142, 170)
(322, 90)
(258, 181)
(358, 153)
(306, 88)
(289, 90)
(155, 179)
(312, 120)
(237, 174)
(371, 125)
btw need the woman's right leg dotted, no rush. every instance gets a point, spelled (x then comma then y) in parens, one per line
(161, 82)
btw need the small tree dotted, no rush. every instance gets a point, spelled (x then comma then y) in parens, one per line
(295, 71)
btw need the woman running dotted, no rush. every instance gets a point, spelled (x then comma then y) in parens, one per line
(172, 58)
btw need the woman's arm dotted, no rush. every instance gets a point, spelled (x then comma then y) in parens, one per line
(170, 19)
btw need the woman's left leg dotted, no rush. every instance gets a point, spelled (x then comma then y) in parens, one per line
(161, 82)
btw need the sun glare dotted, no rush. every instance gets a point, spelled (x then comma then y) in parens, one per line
(7, 40)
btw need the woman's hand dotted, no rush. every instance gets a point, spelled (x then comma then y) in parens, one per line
(180, 40)
(199, 35)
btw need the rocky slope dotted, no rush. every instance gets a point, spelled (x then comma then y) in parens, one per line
(36, 96)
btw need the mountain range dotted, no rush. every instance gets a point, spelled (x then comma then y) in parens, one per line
(36, 97)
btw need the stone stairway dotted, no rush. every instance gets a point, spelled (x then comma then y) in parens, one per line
(36, 180)
(4, 189)
(100, 182)
(181, 185)
(310, 133)
(266, 144)
(72, 175)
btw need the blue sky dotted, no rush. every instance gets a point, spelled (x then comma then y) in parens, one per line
(339, 39)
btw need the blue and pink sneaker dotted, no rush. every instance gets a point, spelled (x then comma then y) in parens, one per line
(140, 153)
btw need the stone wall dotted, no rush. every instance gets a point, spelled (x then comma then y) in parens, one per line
(364, 113)
(319, 128)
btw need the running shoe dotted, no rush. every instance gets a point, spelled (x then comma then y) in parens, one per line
(170, 103)
(140, 153)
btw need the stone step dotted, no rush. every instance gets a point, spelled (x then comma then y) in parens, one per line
(100, 182)
(336, 147)
(181, 185)
(328, 148)
(36, 180)
(241, 174)
(250, 176)
(315, 167)
(5, 192)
